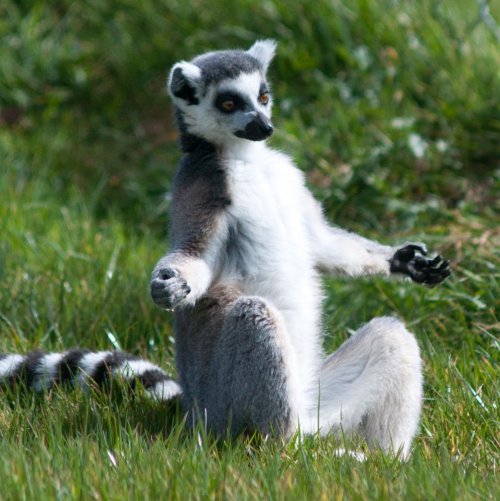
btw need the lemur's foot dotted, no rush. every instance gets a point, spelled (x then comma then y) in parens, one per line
(411, 260)
(168, 288)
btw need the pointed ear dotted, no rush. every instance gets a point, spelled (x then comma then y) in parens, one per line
(184, 81)
(263, 51)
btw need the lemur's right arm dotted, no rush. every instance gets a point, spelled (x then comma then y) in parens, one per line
(198, 230)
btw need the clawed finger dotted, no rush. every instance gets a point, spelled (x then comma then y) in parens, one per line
(436, 276)
(418, 248)
(157, 286)
(420, 262)
(444, 265)
(432, 280)
(437, 263)
(436, 260)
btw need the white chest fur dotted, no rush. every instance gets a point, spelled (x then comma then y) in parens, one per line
(268, 230)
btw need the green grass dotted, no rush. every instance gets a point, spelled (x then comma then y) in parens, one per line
(87, 151)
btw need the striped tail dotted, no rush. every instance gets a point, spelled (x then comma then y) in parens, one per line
(40, 371)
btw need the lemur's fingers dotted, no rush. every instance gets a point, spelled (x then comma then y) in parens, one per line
(167, 293)
(443, 268)
(438, 264)
(429, 272)
(438, 259)
(411, 260)
(420, 263)
(435, 278)
(171, 287)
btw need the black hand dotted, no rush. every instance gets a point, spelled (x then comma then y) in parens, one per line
(410, 260)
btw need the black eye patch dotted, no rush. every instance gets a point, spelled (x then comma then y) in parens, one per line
(223, 98)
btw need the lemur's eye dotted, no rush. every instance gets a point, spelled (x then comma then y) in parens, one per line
(228, 105)
(264, 98)
(229, 102)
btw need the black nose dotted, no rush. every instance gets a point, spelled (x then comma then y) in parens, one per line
(257, 129)
(268, 128)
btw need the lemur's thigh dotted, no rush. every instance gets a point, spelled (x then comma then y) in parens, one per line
(245, 381)
(373, 385)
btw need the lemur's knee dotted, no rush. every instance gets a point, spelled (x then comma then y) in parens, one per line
(394, 356)
(253, 368)
(256, 317)
(390, 341)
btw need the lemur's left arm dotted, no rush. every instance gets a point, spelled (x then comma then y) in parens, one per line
(339, 251)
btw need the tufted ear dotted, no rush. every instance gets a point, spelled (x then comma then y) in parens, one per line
(184, 81)
(263, 51)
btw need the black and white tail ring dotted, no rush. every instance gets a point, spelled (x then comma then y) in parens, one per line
(40, 371)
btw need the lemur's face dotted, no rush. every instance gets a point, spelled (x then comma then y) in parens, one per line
(223, 95)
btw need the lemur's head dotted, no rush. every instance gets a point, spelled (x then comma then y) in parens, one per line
(223, 94)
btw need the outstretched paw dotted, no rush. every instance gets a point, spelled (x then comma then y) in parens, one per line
(168, 288)
(411, 260)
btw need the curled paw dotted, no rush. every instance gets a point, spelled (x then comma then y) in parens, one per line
(411, 260)
(168, 288)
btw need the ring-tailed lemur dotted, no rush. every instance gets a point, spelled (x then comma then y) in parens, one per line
(243, 278)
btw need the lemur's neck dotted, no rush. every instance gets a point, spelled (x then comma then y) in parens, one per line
(243, 150)
(191, 144)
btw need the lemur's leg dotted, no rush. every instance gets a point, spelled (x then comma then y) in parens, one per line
(373, 385)
(243, 376)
